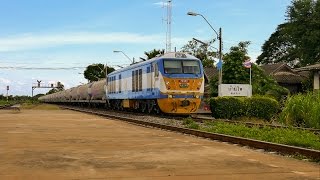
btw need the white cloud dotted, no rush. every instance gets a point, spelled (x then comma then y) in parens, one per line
(32, 41)
(160, 4)
(4, 81)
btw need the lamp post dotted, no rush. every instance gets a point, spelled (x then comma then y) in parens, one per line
(132, 61)
(219, 37)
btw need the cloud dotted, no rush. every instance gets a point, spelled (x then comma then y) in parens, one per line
(32, 41)
(4, 81)
(162, 3)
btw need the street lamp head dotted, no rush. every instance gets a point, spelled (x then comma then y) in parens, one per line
(116, 51)
(192, 13)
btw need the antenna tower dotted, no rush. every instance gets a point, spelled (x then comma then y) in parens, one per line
(169, 17)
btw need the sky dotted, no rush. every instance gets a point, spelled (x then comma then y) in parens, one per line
(54, 40)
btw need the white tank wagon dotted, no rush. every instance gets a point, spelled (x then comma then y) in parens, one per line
(74, 93)
(83, 92)
(61, 97)
(67, 95)
(97, 90)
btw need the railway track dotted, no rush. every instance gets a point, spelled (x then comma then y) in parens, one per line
(178, 127)
(203, 119)
(248, 124)
(5, 106)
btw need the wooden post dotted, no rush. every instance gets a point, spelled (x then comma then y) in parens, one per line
(316, 81)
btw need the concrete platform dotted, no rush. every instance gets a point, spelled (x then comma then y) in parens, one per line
(62, 144)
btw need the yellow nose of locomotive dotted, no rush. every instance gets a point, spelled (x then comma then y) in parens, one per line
(183, 95)
(179, 105)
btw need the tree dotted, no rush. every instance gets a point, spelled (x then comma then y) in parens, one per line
(153, 53)
(296, 41)
(59, 87)
(94, 72)
(202, 51)
(235, 73)
(233, 70)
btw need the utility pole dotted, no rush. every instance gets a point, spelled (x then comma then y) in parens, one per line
(220, 54)
(169, 19)
(7, 93)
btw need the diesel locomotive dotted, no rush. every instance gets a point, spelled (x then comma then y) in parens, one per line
(172, 83)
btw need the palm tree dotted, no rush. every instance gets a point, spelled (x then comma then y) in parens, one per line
(153, 53)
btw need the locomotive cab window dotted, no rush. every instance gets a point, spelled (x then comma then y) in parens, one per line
(181, 67)
(172, 66)
(191, 67)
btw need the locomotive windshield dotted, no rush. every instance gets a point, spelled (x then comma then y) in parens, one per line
(181, 67)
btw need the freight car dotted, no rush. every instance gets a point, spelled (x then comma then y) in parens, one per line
(172, 83)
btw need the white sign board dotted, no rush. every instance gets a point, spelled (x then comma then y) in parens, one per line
(235, 90)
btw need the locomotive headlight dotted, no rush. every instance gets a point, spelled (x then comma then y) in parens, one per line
(197, 96)
(170, 96)
(167, 83)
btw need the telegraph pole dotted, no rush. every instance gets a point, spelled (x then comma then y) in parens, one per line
(169, 20)
(7, 93)
(220, 54)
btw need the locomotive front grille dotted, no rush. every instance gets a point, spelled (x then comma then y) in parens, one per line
(185, 103)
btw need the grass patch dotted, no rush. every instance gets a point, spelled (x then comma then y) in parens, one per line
(4, 102)
(190, 123)
(287, 136)
(39, 106)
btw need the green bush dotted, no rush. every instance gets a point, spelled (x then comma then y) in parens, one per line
(261, 107)
(190, 123)
(235, 107)
(302, 110)
(227, 107)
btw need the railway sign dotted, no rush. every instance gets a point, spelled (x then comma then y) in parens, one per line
(235, 90)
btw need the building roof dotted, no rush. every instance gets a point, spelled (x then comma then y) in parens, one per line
(288, 77)
(309, 68)
(210, 72)
(283, 73)
(269, 69)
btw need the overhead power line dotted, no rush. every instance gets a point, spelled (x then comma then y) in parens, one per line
(40, 68)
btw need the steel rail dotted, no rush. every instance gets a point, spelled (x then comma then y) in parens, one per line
(283, 149)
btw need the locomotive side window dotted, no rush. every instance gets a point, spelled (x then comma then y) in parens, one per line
(136, 81)
(148, 78)
(114, 84)
(140, 79)
(156, 70)
(133, 78)
(119, 83)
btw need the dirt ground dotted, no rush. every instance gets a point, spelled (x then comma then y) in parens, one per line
(62, 144)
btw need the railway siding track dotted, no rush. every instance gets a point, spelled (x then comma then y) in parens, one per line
(283, 149)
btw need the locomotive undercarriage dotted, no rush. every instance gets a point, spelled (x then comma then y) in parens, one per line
(144, 106)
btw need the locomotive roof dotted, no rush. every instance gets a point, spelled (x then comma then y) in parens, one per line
(176, 55)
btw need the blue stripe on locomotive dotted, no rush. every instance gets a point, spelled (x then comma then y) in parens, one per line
(148, 93)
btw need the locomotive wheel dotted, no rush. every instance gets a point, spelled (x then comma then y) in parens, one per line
(143, 106)
(150, 106)
(157, 109)
(120, 105)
